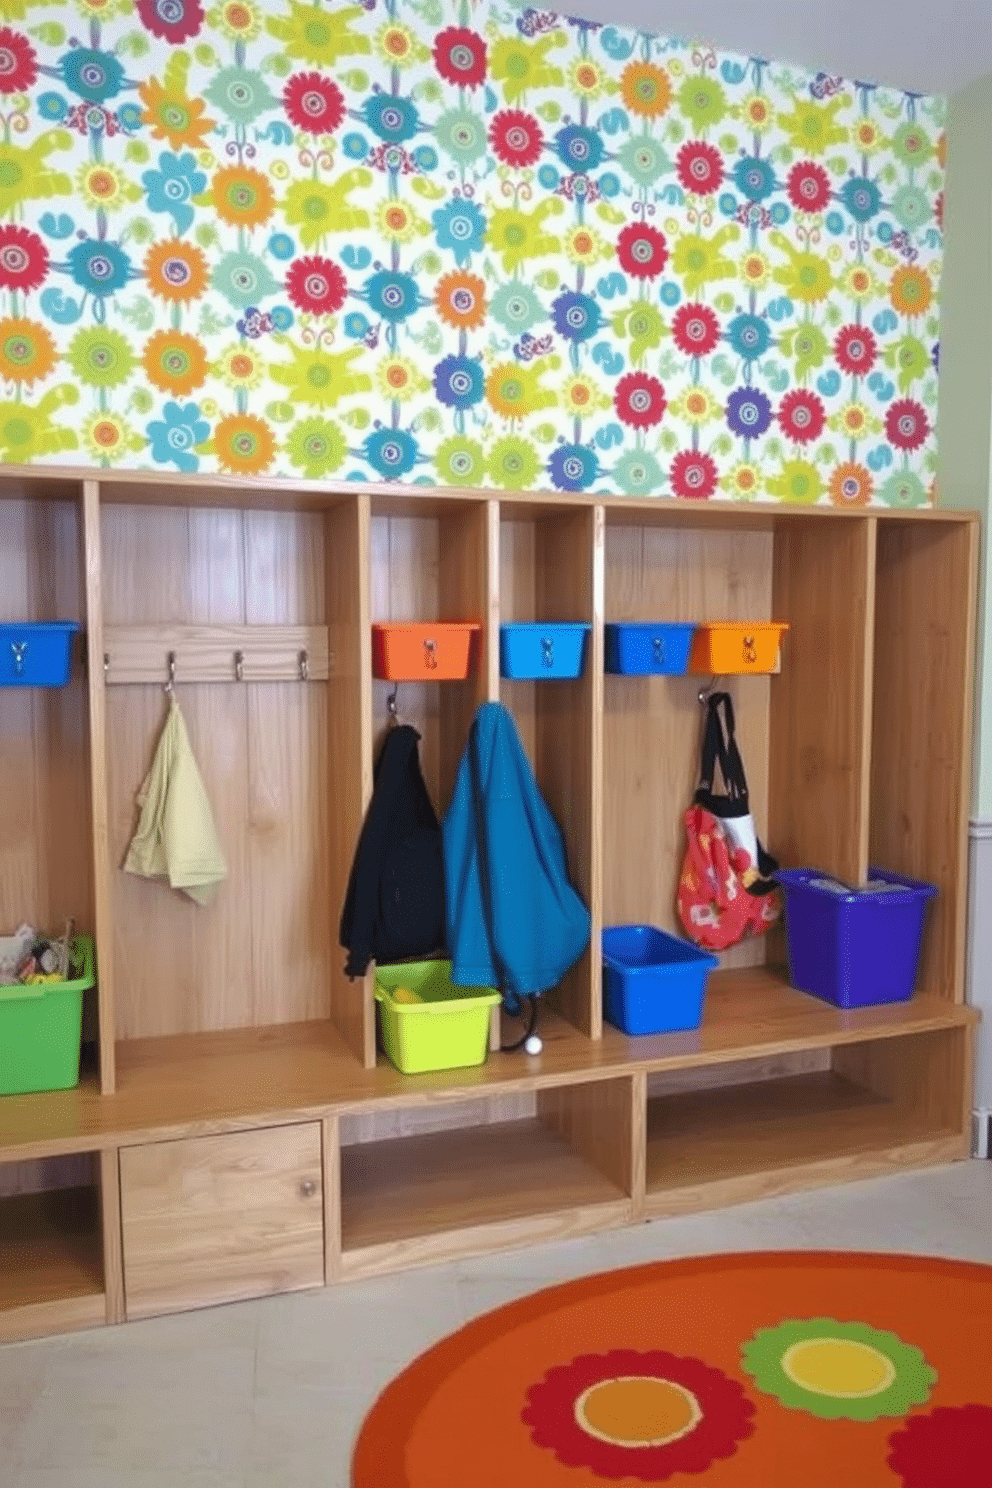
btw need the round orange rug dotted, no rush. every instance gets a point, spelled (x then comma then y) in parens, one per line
(793, 1370)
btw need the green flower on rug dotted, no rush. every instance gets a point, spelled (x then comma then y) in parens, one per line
(837, 1371)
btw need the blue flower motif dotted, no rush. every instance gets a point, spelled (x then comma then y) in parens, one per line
(243, 280)
(935, 356)
(573, 467)
(458, 382)
(638, 473)
(282, 318)
(425, 158)
(355, 325)
(241, 94)
(52, 106)
(392, 295)
(173, 185)
(129, 117)
(749, 412)
(392, 119)
(281, 245)
(391, 452)
(99, 268)
(749, 336)
(460, 226)
(174, 438)
(861, 197)
(93, 75)
(755, 178)
(355, 146)
(579, 148)
(577, 316)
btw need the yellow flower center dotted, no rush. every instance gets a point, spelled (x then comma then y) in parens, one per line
(637, 1411)
(843, 1368)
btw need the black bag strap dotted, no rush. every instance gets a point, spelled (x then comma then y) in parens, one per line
(720, 748)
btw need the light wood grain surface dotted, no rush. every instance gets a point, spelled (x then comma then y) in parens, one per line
(51, 1276)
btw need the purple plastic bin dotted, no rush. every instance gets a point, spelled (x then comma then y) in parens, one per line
(854, 948)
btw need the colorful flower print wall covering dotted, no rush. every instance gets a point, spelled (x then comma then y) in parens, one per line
(466, 245)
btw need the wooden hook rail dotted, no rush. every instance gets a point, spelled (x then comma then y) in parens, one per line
(215, 653)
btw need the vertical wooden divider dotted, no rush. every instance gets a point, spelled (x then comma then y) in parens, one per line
(570, 586)
(102, 868)
(113, 1254)
(468, 554)
(349, 736)
(331, 1162)
(820, 721)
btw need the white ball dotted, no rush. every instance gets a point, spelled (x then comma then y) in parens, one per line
(534, 1045)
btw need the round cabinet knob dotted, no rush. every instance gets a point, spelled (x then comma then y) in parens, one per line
(308, 1188)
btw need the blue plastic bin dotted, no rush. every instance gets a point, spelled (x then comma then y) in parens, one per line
(542, 649)
(36, 653)
(854, 947)
(637, 650)
(653, 982)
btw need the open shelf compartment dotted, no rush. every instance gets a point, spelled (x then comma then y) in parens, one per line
(51, 1248)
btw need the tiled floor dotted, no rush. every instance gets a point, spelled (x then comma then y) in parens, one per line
(270, 1394)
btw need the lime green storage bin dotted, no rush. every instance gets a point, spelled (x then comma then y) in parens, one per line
(447, 1029)
(40, 1030)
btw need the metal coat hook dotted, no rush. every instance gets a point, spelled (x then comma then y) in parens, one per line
(391, 705)
(171, 659)
(304, 667)
(705, 693)
(239, 666)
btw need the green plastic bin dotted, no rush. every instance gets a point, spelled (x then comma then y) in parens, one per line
(40, 1030)
(448, 1029)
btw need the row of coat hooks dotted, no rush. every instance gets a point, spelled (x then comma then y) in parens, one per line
(171, 655)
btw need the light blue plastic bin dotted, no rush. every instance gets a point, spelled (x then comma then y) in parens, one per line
(539, 649)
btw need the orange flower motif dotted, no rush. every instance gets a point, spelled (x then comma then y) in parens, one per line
(27, 351)
(646, 89)
(942, 150)
(851, 485)
(176, 271)
(244, 444)
(910, 291)
(172, 116)
(242, 197)
(460, 300)
(174, 361)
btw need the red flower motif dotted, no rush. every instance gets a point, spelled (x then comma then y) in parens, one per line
(313, 102)
(23, 259)
(693, 476)
(855, 349)
(801, 416)
(460, 56)
(642, 250)
(317, 285)
(906, 424)
(639, 400)
(171, 20)
(938, 209)
(700, 167)
(587, 1413)
(696, 330)
(18, 62)
(516, 137)
(808, 186)
(950, 1447)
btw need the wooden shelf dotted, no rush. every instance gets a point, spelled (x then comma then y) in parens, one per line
(713, 1147)
(51, 1266)
(423, 1198)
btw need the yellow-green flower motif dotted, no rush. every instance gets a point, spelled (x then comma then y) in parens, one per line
(514, 464)
(703, 102)
(798, 482)
(806, 276)
(25, 176)
(585, 247)
(238, 20)
(397, 222)
(513, 390)
(910, 359)
(859, 282)
(645, 325)
(316, 446)
(27, 431)
(311, 33)
(757, 113)
(521, 65)
(460, 462)
(812, 125)
(743, 482)
(838, 1370)
(698, 260)
(517, 235)
(240, 366)
(319, 208)
(808, 345)
(755, 269)
(581, 395)
(397, 46)
(104, 187)
(589, 79)
(696, 406)
(397, 380)
(321, 378)
(107, 438)
(855, 421)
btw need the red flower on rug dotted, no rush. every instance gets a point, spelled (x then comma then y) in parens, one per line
(950, 1447)
(638, 1415)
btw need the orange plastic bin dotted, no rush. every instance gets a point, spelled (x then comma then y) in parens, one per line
(440, 652)
(729, 646)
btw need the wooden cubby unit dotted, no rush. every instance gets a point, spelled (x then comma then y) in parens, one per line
(228, 1042)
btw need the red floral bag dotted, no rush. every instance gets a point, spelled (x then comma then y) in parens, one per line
(726, 892)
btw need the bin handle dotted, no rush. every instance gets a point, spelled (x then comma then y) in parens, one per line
(18, 649)
(547, 651)
(750, 653)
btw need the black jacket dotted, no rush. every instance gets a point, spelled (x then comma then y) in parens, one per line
(394, 907)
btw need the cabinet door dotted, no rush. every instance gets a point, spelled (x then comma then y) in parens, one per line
(214, 1219)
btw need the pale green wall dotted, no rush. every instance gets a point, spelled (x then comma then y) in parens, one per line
(964, 425)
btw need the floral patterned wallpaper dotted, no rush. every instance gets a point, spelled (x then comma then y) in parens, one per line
(460, 244)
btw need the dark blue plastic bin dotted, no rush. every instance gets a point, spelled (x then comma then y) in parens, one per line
(637, 650)
(854, 948)
(537, 649)
(36, 653)
(653, 982)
